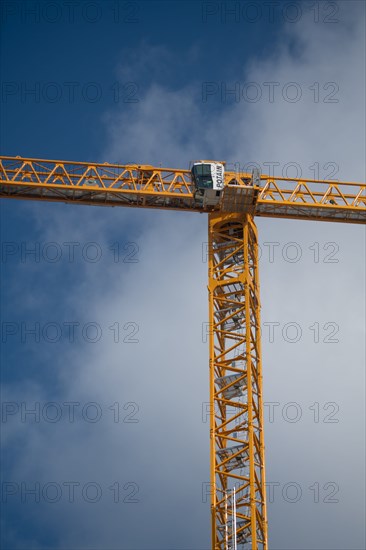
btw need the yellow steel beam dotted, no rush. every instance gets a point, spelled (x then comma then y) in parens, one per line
(236, 401)
(168, 188)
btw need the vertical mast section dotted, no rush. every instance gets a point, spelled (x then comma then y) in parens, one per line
(236, 404)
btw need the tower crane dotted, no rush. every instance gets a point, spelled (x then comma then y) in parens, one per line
(231, 200)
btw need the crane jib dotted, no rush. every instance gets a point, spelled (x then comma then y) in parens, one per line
(146, 186)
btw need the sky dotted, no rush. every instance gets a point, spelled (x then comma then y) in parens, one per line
(104, 358)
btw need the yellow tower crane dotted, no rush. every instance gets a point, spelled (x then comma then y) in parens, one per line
(231, 200)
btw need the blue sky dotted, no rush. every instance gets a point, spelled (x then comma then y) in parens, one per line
(179, 60)
(84, 52)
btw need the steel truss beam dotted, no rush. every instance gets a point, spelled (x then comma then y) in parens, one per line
(146, 186)
(236, 405)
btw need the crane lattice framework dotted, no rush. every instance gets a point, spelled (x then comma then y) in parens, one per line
(236, 400)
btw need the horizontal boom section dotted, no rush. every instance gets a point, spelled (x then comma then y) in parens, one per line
(99, 184)
(155, 187)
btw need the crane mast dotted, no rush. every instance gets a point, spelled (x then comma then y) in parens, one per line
(236, 402)
(237, 474)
